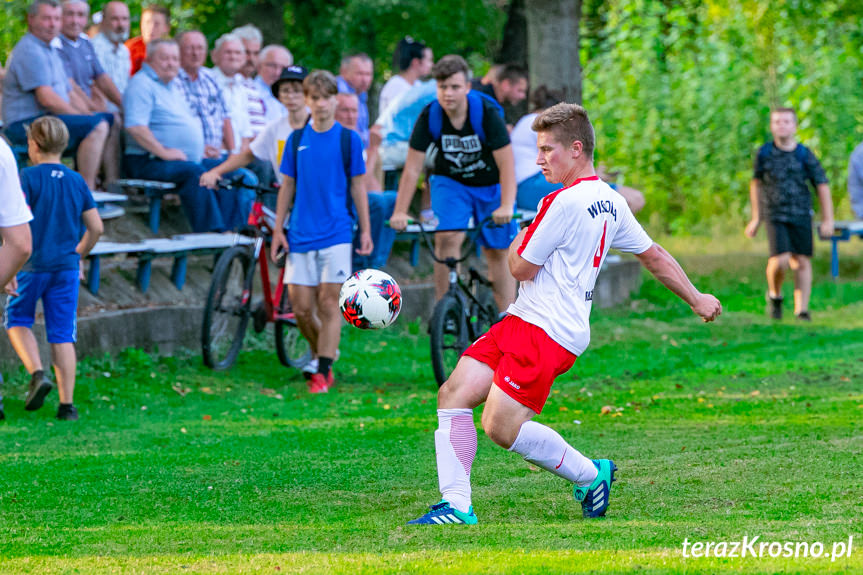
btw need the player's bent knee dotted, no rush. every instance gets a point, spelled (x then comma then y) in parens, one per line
(498, 429)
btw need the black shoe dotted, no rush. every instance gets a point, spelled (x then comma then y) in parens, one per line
(39, 388)
(804, 316)
(67, 412)
(775, 306)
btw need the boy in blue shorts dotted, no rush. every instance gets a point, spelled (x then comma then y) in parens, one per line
(474, 175)
(60, 201)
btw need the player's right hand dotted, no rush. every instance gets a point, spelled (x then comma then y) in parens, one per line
(707, 306)
(279, 242)
(209, 180)
(752, 228)
(399, 221)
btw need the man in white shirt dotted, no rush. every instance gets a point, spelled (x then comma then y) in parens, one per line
(110, 47)
(229, 55)
(512, 367)
(414, 60)
(273, 60)
(14, 223)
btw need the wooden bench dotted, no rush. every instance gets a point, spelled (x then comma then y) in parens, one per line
(154, 191)
(178, 248)
(842, 232)
(107, 202)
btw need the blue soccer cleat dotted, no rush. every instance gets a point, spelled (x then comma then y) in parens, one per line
(443, 513)
(594, 498)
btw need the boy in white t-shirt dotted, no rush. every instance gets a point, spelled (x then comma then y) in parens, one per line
(14, 224)
(511, 368)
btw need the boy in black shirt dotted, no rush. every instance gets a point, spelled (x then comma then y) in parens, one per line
(474, 175)
(782, 169)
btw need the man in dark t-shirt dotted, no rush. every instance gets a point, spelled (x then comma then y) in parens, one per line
(474, 175)
(784, 169)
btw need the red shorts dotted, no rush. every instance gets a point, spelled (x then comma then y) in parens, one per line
(524, 359)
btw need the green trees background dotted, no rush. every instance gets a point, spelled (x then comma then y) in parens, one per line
(679, 90)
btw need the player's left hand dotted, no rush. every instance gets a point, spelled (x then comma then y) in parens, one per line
(826, 229)
(366, 244)
(502, 215)
(707, 306)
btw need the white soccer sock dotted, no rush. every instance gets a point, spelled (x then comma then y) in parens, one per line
(455, 447)
(544, 447)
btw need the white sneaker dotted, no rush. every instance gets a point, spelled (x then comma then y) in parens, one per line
(311, 367)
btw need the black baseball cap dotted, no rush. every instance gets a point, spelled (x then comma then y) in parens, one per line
(294, 73)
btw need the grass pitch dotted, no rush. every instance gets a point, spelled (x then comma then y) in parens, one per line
(741, 428)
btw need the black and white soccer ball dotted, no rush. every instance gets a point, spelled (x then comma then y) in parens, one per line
(370, 299)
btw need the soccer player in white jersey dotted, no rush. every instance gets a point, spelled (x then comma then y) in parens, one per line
(511, 368)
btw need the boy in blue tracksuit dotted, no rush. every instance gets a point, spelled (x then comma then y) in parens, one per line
(65, 227)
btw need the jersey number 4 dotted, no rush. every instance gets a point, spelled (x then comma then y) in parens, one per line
(597, 257)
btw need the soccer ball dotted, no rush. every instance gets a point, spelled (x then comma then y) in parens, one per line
(370, 299)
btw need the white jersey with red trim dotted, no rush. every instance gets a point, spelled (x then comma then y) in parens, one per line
(570, 237)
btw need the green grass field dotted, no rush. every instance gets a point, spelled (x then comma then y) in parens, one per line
(744, 427)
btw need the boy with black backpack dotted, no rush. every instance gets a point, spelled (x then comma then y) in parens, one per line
(323, 168)
(784, 168)
(474, 175)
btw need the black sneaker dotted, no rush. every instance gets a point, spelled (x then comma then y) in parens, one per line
(39, 388)
(804, 316)
(775, 305)
(67, 412)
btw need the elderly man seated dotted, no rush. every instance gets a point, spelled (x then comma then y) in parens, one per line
(166, 142)
(205, 98)
(36, 84)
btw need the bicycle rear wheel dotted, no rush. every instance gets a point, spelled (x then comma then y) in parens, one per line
(449, 336)
(228, 308)
(291, 347)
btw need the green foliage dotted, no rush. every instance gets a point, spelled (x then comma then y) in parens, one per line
(680, 93)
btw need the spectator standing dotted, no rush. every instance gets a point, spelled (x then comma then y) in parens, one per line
(414, 61)
(779, 186)
(473, 175)
(155, 25)
(15, 216)
(355, 77)
(36, 84)
(507, 84)
(166, 142)
(314, 198)
(855, 181)
(65, 227)
(88, 80)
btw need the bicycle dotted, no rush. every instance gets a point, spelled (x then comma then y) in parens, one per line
(464, 313)
(229, 300)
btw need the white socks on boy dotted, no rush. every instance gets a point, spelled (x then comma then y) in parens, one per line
(544, 447)
(455, 446)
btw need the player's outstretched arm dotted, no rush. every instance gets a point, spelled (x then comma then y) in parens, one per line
(666, 269)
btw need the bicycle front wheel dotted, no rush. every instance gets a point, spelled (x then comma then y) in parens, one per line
(291, 347)
(228, 308)
(449, 336)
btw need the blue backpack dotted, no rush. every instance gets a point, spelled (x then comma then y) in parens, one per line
(474, 112)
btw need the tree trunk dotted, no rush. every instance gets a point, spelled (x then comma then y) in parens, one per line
(513, 50)
(552, 45)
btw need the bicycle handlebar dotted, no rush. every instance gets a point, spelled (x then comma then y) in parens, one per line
(239, 183)
(471, 233)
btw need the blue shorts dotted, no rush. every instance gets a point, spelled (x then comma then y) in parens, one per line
(79, 127)
(455, 204)
(59, 294)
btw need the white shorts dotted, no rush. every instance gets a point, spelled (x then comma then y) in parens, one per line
(330, 265)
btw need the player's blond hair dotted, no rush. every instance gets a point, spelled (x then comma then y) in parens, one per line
(568, 123)
(49, 134)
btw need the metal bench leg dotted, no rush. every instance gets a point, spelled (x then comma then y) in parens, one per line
(178, 271)
(93, 275)
(145, 268)
(834, 261)
(415, 252)
(155, 209)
